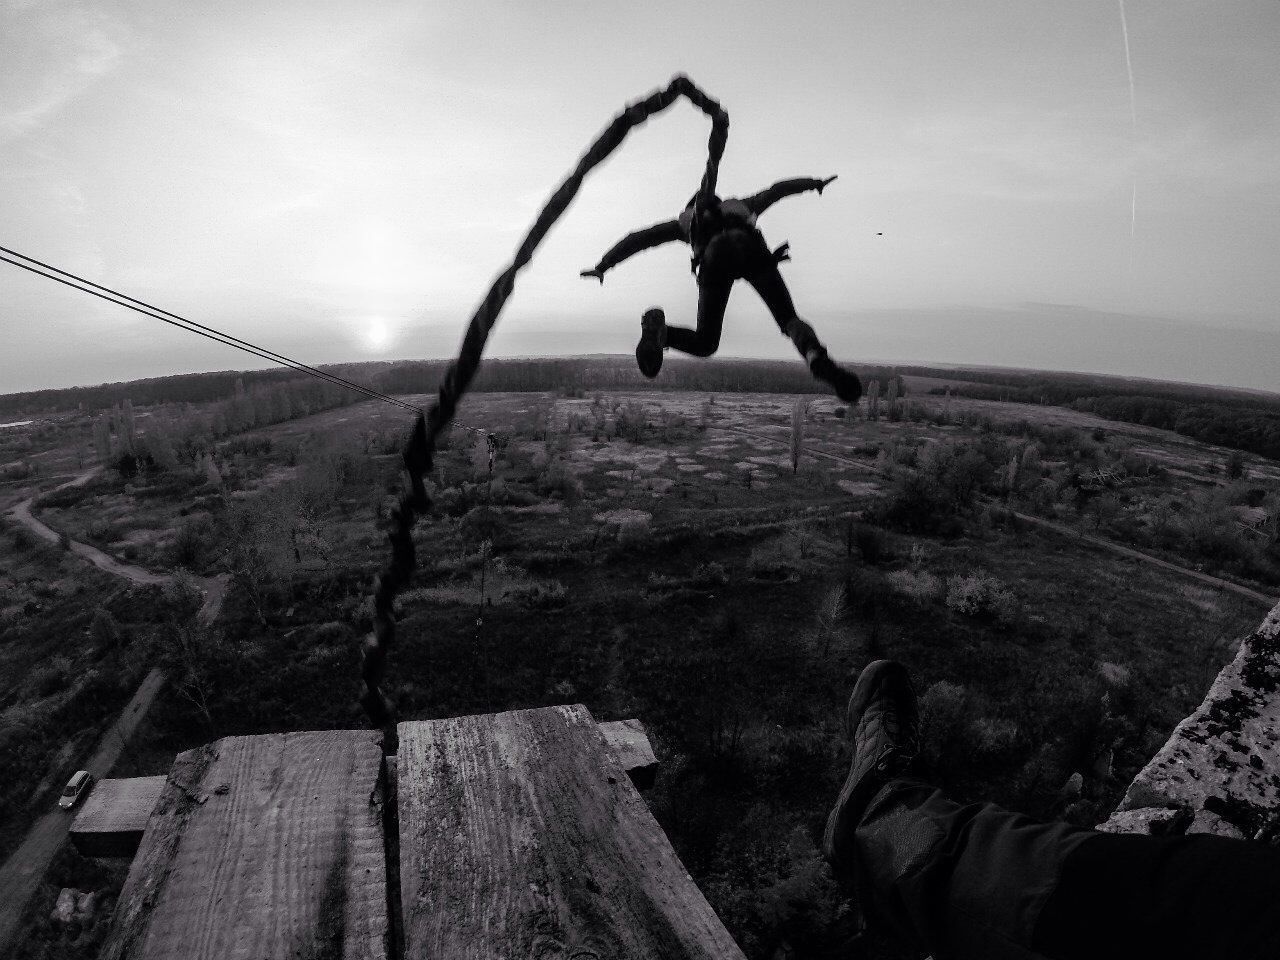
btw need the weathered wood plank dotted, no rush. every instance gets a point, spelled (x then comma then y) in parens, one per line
(626, 738)
(630, 744)
(262, 847)
(521, 836)
(114, 815)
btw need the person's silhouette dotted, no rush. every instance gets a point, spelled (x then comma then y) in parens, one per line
(727, 246)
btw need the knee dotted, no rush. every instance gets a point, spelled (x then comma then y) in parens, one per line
(705, 344)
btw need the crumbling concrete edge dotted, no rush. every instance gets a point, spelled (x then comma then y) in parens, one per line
(1219, 772)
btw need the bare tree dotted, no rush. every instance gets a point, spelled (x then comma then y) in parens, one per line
(797, 431)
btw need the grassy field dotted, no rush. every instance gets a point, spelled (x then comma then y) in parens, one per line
(648, 556)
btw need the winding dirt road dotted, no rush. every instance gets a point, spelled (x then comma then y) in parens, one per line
(22, 873)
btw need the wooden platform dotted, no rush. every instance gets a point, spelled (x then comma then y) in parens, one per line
(259, 847)
(505, 835)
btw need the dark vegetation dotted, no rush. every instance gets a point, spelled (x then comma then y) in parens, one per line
(736, 642)
(731, 616)
(73, 646)
(1247, 421)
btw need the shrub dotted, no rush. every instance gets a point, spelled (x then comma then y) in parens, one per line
(919, 586)
(710, 574)
(633, 422)
(981, 596)
(481, 524)
(560, 478)
(192, 544)
(993, 737)
(776, 559)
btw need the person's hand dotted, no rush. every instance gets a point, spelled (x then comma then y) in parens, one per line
(782, 253)
(593, 272)
(824, 183)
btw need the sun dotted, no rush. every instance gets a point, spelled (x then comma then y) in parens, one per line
(377, 334)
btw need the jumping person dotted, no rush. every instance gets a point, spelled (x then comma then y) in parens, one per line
(727, 246)
(977, 882)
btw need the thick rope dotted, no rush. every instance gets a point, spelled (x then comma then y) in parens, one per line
(420, 448)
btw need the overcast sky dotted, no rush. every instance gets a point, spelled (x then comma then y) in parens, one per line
(341, 181)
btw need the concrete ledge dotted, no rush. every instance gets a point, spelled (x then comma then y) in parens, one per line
(1219, 772)
(630, 744)
(114, 815)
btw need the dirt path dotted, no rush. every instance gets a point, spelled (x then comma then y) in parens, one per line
(22, 873)
(103, 561)
(1058, 528)
(1146, 557)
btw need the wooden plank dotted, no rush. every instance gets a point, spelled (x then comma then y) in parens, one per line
(262, 847)
(626, 738)
(113, 817)
(521, 836)
(630, 744)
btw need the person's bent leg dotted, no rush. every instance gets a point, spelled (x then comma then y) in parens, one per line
(767, 281)
(962, 881)
(978, 882)
(714, 285)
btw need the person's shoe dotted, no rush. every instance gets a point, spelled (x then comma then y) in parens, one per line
(845, 382)
(883, 724)
(653, 338)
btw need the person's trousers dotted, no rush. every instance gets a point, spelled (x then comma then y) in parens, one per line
(977, 882)
(739, 254)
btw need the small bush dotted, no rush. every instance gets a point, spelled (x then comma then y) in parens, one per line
(633, 422)
(192, 546)
(919, 586)
(775, 559)
(560, 478)
(981, 596)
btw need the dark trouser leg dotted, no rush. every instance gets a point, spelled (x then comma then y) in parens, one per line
(713, 297)
(964, 882)
(977, 882)
(765, 278)
(1122, 896)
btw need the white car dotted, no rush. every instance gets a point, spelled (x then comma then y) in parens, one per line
(76, 788)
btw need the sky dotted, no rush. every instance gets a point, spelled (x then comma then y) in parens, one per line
(342, 181)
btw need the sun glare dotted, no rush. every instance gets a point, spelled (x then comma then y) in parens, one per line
(377, 334)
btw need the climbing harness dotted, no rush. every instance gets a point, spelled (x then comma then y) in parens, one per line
(420, 448)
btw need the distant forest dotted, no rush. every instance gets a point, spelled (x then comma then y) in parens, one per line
(1231, 418)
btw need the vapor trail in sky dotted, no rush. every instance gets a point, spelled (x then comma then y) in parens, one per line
(1128, 63)
(1133, 115)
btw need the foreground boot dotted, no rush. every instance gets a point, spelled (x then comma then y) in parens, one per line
(653, 338)
(882, 723)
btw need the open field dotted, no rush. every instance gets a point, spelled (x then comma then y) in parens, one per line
(648, 554)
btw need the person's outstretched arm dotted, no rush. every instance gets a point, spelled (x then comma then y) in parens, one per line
(760, 202)
(633, 243)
